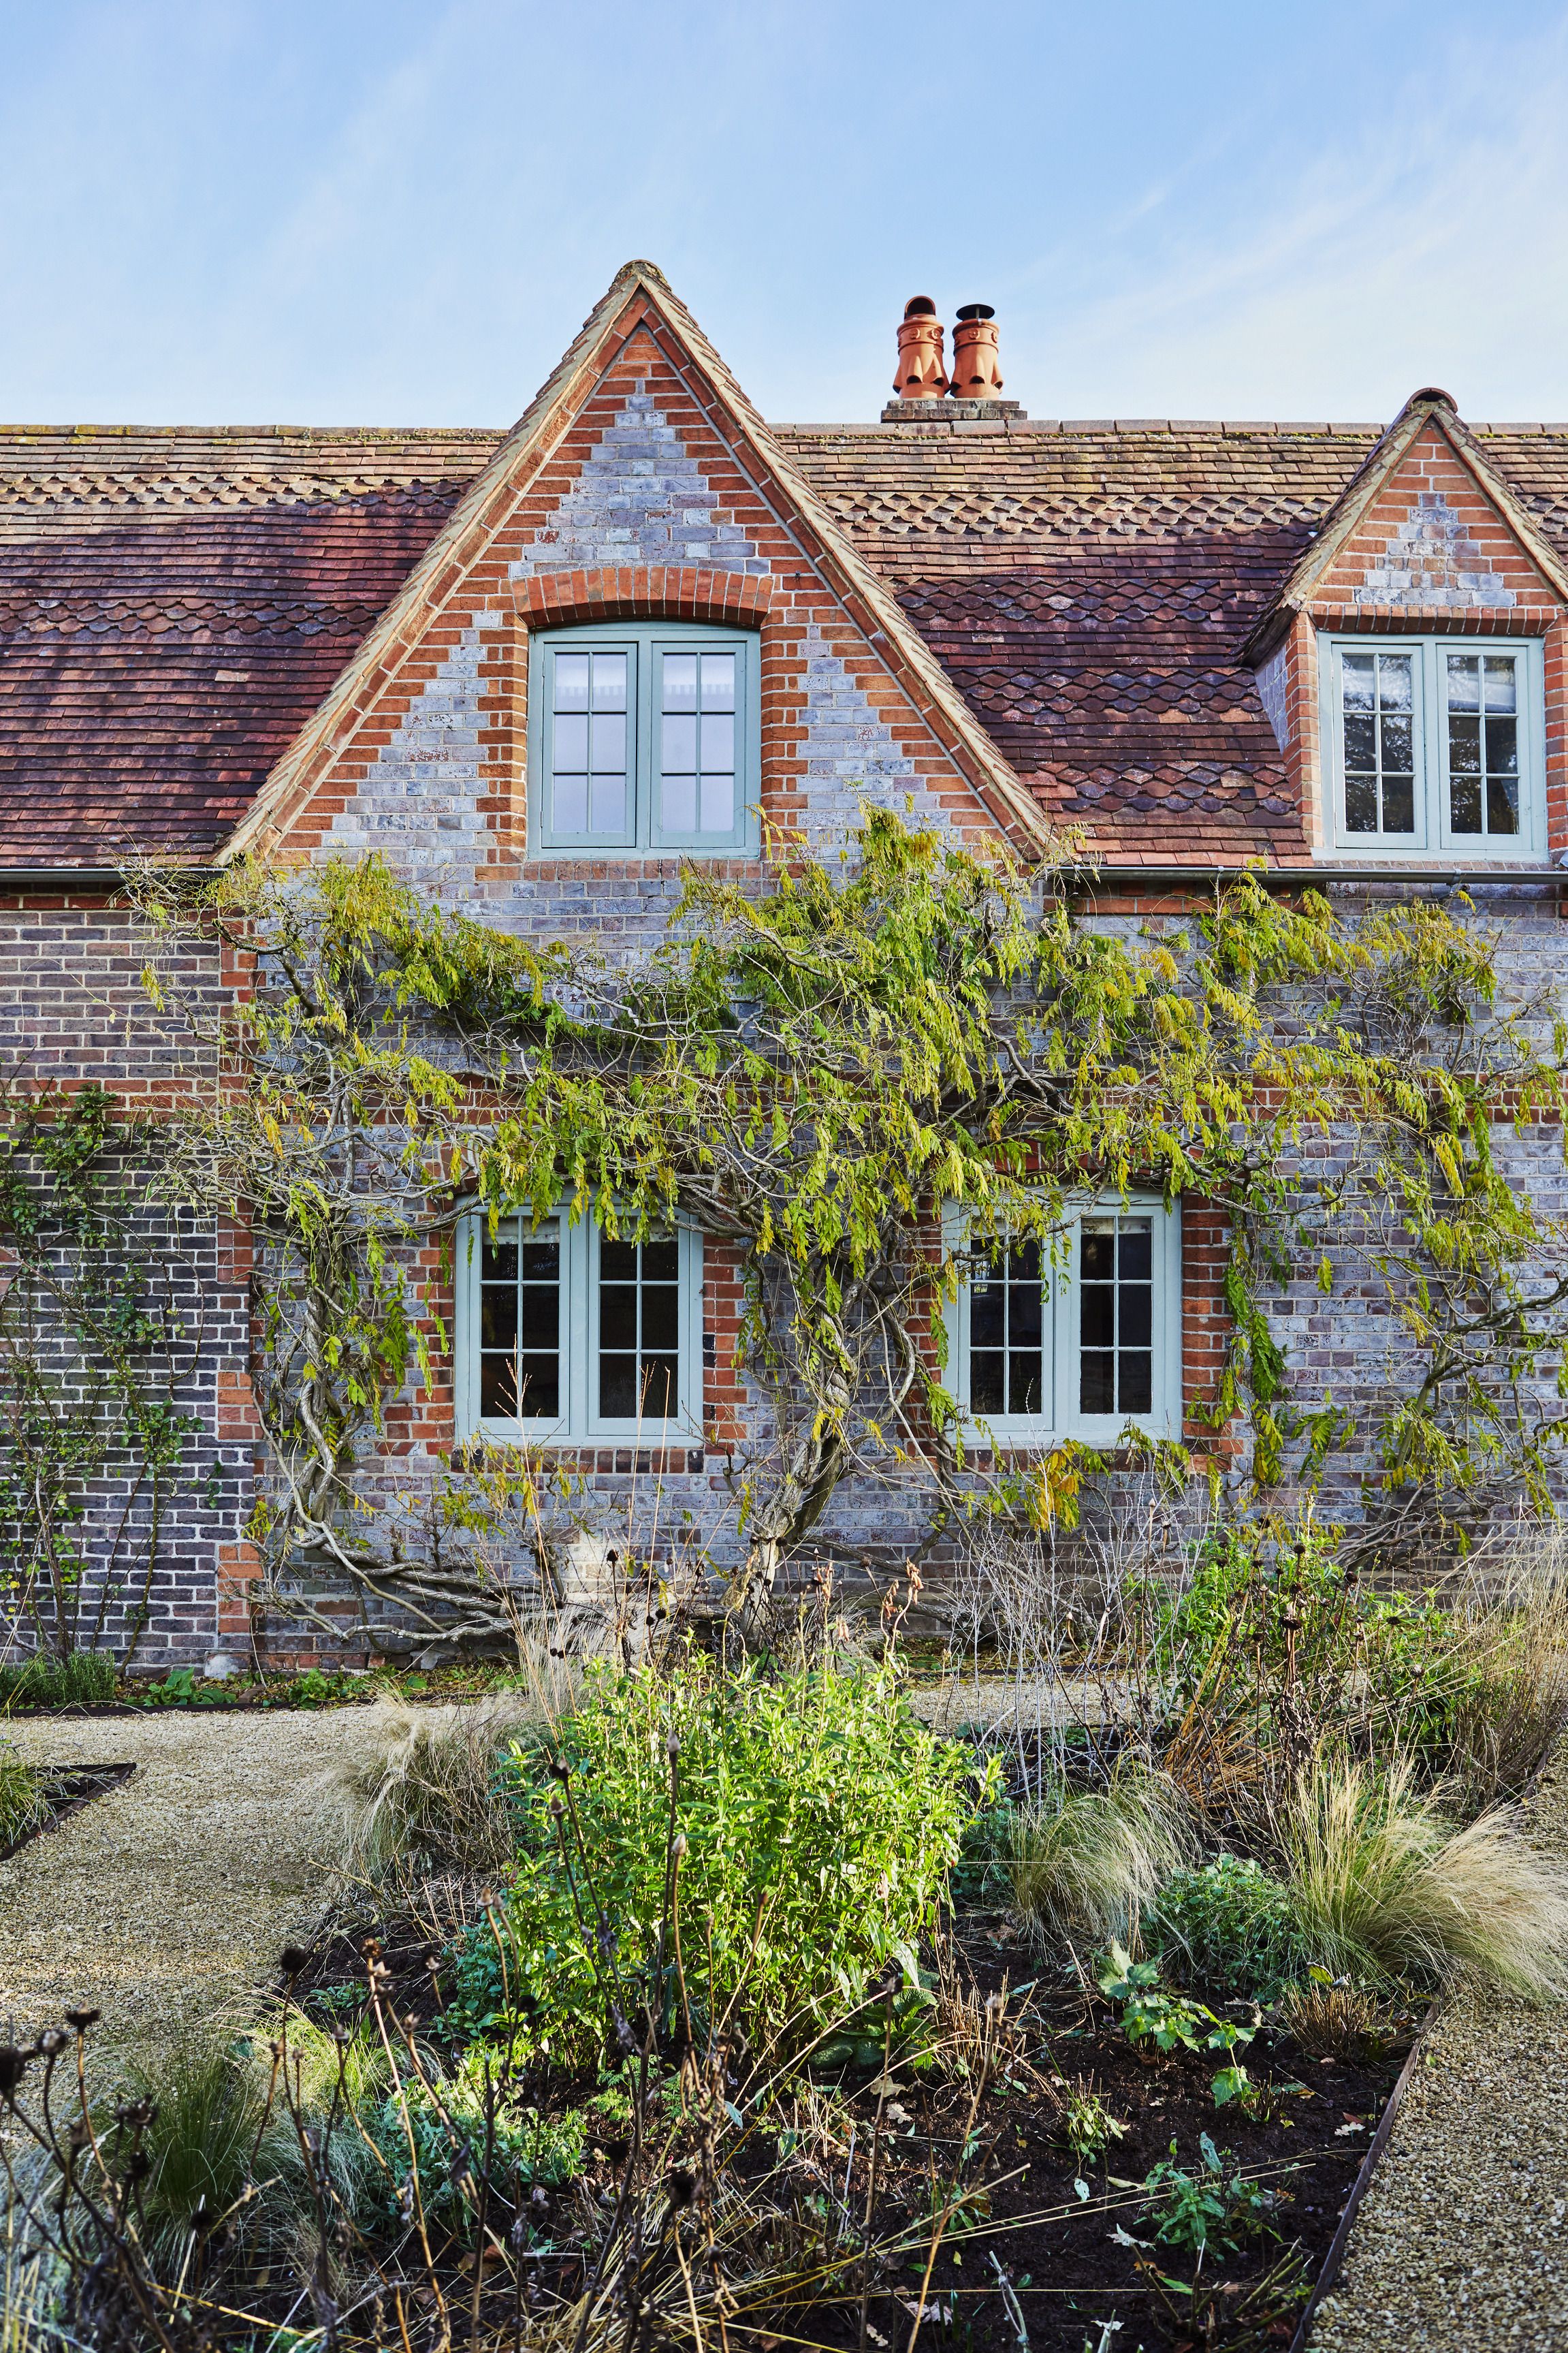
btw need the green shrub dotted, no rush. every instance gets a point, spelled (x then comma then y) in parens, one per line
(453, 2122)
(1189, 2208)
(1230, 1929)
(1086, 1863)
(81, 1679)
(820, 1821)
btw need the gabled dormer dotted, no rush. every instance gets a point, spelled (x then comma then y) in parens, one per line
(1411, 665)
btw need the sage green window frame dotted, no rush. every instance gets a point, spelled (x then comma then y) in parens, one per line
(1062, 1343)
(646, 645)
(1434, 832)
(579, 1420)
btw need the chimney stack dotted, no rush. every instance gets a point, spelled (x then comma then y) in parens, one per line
(976, 365)
(921, 376)
(974, 394)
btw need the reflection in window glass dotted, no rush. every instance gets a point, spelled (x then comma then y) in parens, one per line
(1006, 1330)
(1116, 1316)
(519, 1324)
(697, 743)
(1379, 741)
(638, 1370)
(1482, 696)
(589, 743)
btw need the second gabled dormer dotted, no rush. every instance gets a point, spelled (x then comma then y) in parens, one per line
(1411, 666)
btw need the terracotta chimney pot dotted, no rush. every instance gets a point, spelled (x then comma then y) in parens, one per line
(976, 368)
(921, 375)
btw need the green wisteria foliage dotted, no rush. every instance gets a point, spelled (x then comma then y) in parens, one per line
(832, 1072)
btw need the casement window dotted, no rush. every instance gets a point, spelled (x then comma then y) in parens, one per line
(567, 1335)
(1079, 1349)
(643, 737)
(1434, 743)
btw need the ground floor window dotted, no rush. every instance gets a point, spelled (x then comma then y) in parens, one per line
(1081, 1347)
(567, 1334)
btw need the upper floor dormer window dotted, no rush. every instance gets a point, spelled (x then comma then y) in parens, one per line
(1434, 744)
(643, 736)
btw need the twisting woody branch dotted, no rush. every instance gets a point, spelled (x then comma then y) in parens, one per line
(828, 1073)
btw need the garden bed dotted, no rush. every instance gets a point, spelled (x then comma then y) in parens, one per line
(64, 1791)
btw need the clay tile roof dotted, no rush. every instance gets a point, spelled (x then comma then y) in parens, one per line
(174, 606)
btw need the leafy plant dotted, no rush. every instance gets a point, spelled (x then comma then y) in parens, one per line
(438, 2128)
(818, 1821)
(1230, 1928)
(1188, 2207)
(1088, 2125)
(1171, 2021)
(79, 1679)
(1088, 1863)
(24, 1801)
(1386, 1887)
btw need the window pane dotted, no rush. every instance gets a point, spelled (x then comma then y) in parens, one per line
(987, 1394)
(678, 805)
(610, 743)
(497, 1316)
(1394, 681)
(607, 805)
(618, 1316)
(1024, 1308)
(661, 1261)
(1361, 804)
(1023, 1381)
(609, 682)
(541, 1262)
(1136, 1324)
(1464, 682)
(541, 1325)
(718, 681)
(569, 802)
(1502, 746)
(1135, 1387)
(618, 1386)
(660, 1315)
(1099, 1253)
(540, 1387)
(1464, 804)
(1399, 804)
(1502, 805)
(617, 1260)
(1398, 748)
(498, 1258)
(498, 1388)
(659, 1387)
(719, 741)
(1356, 680)
(570, 748)
(1097, 1315)
(1097, 1383)
(571, 681)
(987, 1315)
(678, 739)
(1361, 744)
(680, 681)
(1463, 744)
(1135, 1254)
(718, 804)
(1501, 689)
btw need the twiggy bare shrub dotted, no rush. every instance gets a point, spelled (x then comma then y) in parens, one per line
(1385, 1887)
(1087, 1862)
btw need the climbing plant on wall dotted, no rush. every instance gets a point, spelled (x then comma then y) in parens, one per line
(99, 1336)
(815, 1072)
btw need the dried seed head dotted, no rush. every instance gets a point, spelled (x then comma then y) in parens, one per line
(292, 1961)
(50, 2041)
(680, 2186)
(13, 2066)
(672, 1746)
(79, 2021)
(678, 1847)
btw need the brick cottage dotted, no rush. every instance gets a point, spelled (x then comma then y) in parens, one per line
(541, 671)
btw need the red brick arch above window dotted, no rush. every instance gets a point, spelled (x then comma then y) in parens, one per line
(612, 592)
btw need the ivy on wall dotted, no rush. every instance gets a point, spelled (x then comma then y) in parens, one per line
(96, 1349)
(814, 1072)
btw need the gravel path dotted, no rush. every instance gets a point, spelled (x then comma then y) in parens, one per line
(1461, 2242)
(165, 1901)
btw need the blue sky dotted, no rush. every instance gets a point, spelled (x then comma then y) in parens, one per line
(378, 212)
